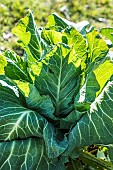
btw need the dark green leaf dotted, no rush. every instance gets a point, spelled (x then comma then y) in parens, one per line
(41, 104)
(59, 79)
(18, 122)
(25, 155)
(95, 127)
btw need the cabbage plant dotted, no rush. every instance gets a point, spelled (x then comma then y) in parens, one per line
(57, 98)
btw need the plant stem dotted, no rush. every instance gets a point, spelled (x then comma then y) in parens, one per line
(92, 160)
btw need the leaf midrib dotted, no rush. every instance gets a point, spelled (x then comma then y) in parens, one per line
(58, 89)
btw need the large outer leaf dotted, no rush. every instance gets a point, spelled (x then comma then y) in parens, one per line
(96, 126)
(29, 154)
(59, 79)
(29, 37)
(94, 83)
(18, 122)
